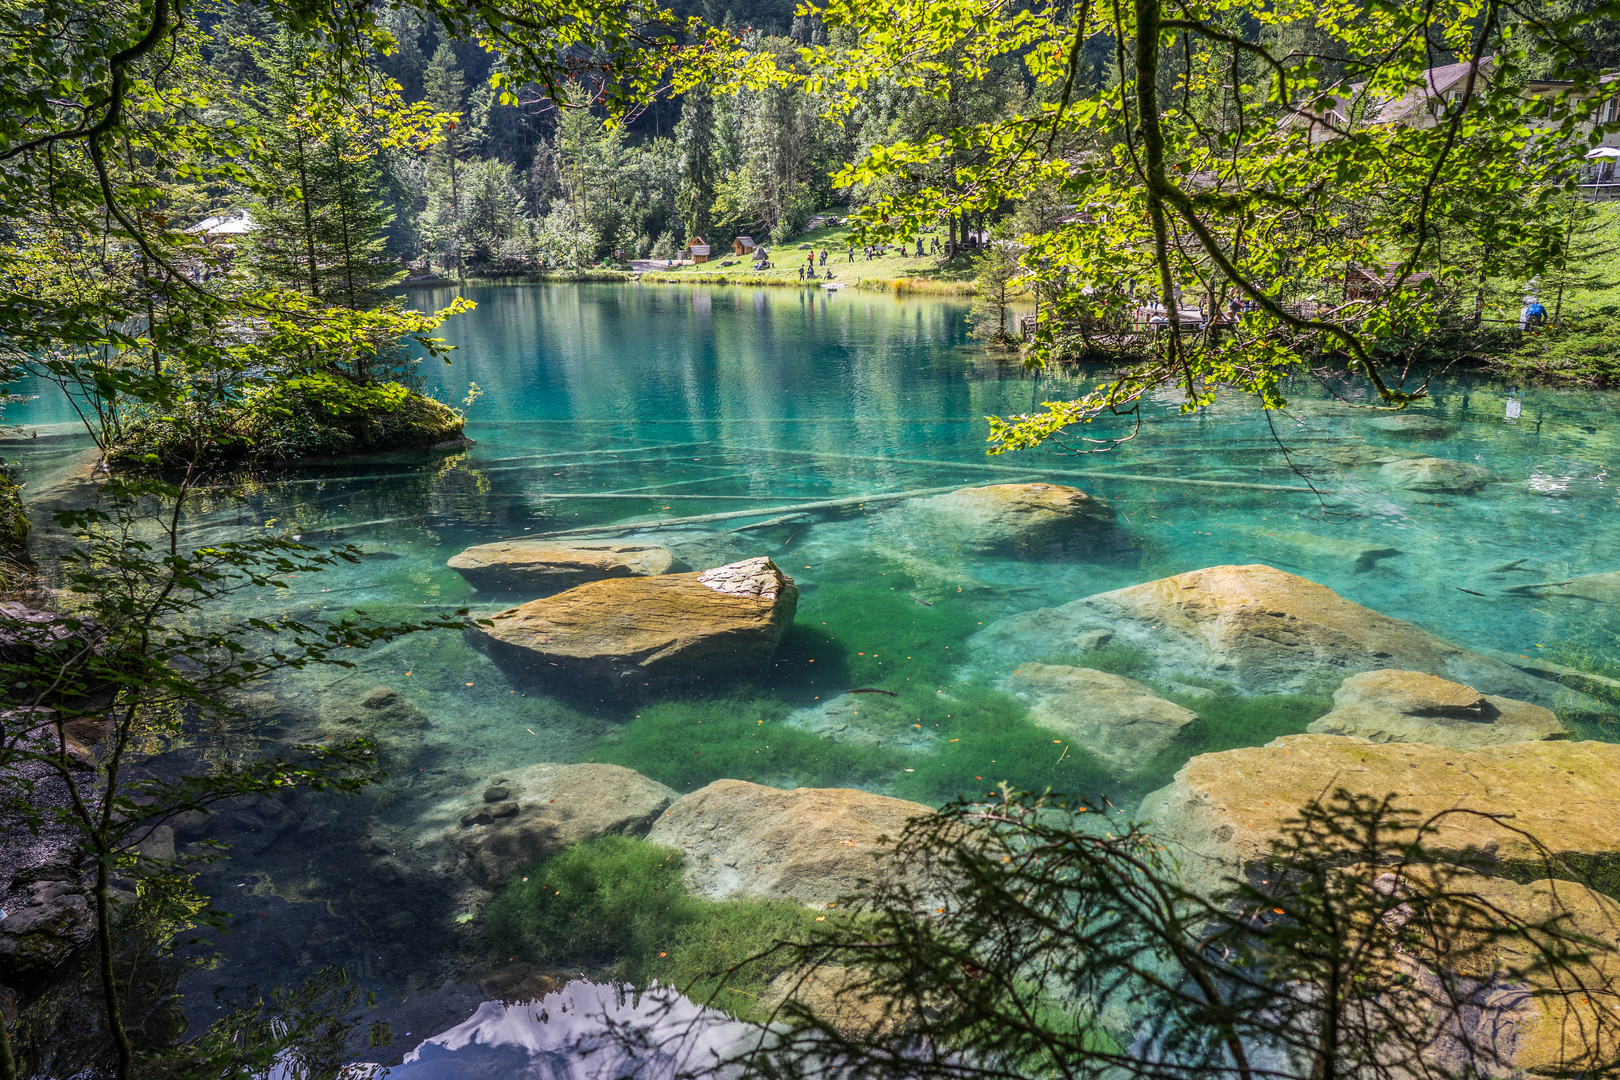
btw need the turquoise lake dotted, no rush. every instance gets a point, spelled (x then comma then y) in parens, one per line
(607, 404)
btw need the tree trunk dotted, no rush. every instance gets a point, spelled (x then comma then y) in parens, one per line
(309, 224)
(1563, 265)
(109, 978)
(455, 210)
(8, 1061)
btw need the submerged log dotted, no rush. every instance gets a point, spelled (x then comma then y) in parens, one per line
(734, 515)
(1084, 474)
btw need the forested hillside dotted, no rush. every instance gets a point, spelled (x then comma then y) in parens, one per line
(514, 182)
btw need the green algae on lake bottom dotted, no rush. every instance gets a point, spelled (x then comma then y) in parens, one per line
(687, 744)
(617, 904)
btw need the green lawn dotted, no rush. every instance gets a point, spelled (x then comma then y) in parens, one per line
(891, 270)
(1594, 265)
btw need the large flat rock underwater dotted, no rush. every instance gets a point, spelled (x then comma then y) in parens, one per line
(528, 814)
(1255, 630)
(1435, 475)
(1529, 831)
(632, 636)
(812, 845)
(541, 567)
(1409, 706)
(1019, 519)
(1118, 720)
(1228, 811)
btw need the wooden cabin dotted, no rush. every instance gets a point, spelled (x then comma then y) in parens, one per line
(697, 250)
(743, 245)
(1374, 282)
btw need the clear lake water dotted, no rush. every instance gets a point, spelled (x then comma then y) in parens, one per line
(607, 403)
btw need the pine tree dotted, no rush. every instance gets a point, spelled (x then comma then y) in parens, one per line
(320, 219)
(353, 226)
(695, 135)
(995, 286)
(281, 251)
(588, 157)
(446, 90)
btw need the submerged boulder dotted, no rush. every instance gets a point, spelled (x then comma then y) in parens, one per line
(1598, 588)
(1361, 554)
(1227, 812)
(52, 921)
(634, 635)
(549, 567)
(528, 814)
(1259, 630)
(381, 715)
(1407, 424)
(1437, 475)
(1552, 1024)
(1117, 720)
(1018, 516)
(1409, 706)
(812, 845)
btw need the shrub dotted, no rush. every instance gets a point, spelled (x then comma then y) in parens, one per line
(13, 518)
(1580, 351)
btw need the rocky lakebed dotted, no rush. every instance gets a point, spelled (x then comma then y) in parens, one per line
(746, 694)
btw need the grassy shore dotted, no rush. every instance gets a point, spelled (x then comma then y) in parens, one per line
(892, 272)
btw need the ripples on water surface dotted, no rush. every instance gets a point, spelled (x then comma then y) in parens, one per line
(683, 402)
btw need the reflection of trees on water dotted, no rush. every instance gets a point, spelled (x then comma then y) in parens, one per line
(396, 497)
